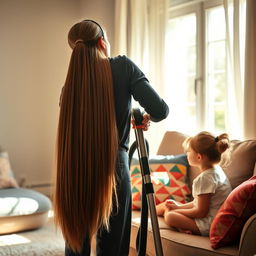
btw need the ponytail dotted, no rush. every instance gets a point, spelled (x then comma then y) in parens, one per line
(206, 144)
(86, 147)
(222, 142)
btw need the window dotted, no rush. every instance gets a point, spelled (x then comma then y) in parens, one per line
(197, 67)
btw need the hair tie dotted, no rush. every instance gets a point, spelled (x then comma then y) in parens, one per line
(79, 41)
(216, 139)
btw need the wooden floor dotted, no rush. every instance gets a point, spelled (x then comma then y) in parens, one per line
(45, 241)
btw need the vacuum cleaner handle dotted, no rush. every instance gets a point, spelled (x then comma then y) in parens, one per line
(147, 184)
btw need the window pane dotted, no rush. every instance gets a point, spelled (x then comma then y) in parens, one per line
(216, 24)
(216, 86)
(220, 87)
(180, 72)
(217, 56)
(219, 117)
(191, 52)
(191, 97)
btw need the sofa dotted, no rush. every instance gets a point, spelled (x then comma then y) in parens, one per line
(238, 162)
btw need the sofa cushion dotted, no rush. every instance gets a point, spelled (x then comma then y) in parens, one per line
(7, 179)
(176, 243)
(239, 206)
(238, 161)
(169, 178)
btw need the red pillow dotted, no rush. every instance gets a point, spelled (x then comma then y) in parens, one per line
(239, 206)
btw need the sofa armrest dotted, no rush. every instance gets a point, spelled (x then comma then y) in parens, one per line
(247, 244)
(171, 143)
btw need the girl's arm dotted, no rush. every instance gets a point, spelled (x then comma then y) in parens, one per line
(197, 211)
(173, 205)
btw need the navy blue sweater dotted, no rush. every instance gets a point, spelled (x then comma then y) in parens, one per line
(129, 81)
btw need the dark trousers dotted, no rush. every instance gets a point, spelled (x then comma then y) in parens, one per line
(114, 242)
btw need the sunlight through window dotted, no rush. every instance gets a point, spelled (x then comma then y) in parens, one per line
(216, 86)
(181, 71)
(50, 214)
(13, 239)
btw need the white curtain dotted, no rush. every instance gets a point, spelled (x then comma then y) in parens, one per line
(250, 72)
(158, 18)
(131, 30)
(121, 27)
(140, 34)
(235, 29)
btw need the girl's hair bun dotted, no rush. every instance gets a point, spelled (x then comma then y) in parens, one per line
(222, 143)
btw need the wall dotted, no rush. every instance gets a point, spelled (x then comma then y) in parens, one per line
(34, 57)
(101, 11)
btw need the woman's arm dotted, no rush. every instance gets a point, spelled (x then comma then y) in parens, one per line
(144, 93)
(197, 211)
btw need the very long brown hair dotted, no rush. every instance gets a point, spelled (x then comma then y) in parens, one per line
(86, 140)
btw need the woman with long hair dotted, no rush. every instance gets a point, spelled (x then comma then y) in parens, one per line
(93, 193)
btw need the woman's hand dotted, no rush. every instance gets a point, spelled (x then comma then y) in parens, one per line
(145, 122)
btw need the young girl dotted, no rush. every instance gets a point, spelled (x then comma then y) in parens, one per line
(210, 188)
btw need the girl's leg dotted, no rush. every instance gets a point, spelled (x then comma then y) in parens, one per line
(181, 222)
(160, 209)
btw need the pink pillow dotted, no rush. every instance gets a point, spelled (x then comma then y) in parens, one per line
(239, 206)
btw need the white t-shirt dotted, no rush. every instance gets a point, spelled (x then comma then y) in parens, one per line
(212, 181)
